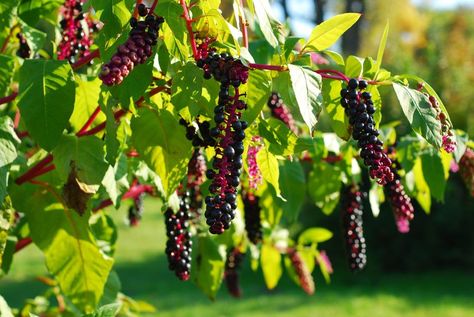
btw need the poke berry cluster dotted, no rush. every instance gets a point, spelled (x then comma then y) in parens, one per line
(281, 112)
(231, 273)
(449, 142)
(324, 261)
(229, 134)
(401, 204)
(179, 244)
(360, 109)
(352, 209)
(255, 176)
(76, 39)
(252, 210)
(196, 176)
(24, 50)
(135, 211)
(136, 50)
(466, 170)
(304, 275)
(201, 139)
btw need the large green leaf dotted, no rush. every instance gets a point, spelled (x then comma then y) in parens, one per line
(47, 94)
(87, 101)
(187, 90)
(31, 11)
(433, 172)
(332, 104)
(420, 114)
(281, 140)
(158, 138)
(324, 185)
(86, 155)
(314, 235)
(115, 180)
(258, 92)
(8, 142)
(268, 165)
(208, 265)
(422, 189)
(115, 15)
(71, 253)
(327, 33)
(306, 90)
(174, 31)
(270, 260)
(293, 186)
(381, 50)
(5, 310)
(6, 72)
(266, 21)
(35, 38)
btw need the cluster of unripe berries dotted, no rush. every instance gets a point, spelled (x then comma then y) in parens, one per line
(136, 50)
(179, 244)
(255, 176)
(252, 211)
(229, 134)
(301, 269)
(281, 112)
(135, 211)
(402, 206)
(352, 209)
(231, 273)
(449, 142)
(24, 50)
(359, 107)
(200, 137)
(76, 39)
(466, 169)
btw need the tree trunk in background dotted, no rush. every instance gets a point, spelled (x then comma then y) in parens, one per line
(351, 39)
(320, 9)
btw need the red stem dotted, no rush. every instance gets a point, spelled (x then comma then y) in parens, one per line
(89, 121)
(9, 98)
(86, 59)
(153, 6)
(189, 27)
(21, 244)
(133, 192)
(243, 25)
(34, 170)
(16, 121)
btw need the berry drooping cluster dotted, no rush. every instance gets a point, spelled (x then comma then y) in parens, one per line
(449, 142)
(196, 176)
(24, 50)
(200, 136)
(281, 112)
(76, 31)
(353, 231)
(135, 211)
(255, 176)
(360, 109)
(136, 50)
(252, 210)
(231, 273)
(179, 244)
(324, 261)
(401, 204)
(229, 134)
(301, 269)
(466, 169)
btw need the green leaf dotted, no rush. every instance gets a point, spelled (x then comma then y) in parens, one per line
(115, 15)
(157, 137)
(67, 243)
(258, 91)
(354, 66)
(87, 100)
(5, 310)
(208, 265)
(422, 189)
(105, 232)
(186, 91)
(6, 222)
(306, 90)
(31, 11)
(86, 155)
(115, 180)
(6, 72)
(324, 185)
(337, 118)
(281, 140)
(327, 33)
(47, 94)
(270, 260)
(314, 235)
(420, 114)
(8, 142)
(268, 165)
(35, 38)
(377, 100)
(174, 31)
(336, 57)
(263, 13)
(110, 310)
(381, 50)
(433, 172)
(376, 197)
(4, 173)
(293, 185)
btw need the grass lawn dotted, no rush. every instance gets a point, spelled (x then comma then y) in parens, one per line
(142, 266)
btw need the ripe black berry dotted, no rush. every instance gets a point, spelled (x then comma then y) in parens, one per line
(231, 273)
(24, 50)
(252, 212)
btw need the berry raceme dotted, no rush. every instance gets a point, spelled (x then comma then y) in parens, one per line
(135, 211)
(252, 210)
(231, 273)
(352, 209)
(179, 244)
(304, 275)
(401, 204)
(281, 112)
(24, 50)
(196, 176)
(229, 134)
(76, 39)
(255, 176)
(136, 50)
(201, 136)
(466, 169)
(359, 107)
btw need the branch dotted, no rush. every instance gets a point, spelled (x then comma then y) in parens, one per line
(9, 98)
(243, 25)
(7, 39)
(89, 121)
(33, 172)
(189, 27)
(133, 193)
(23, 243)
(153, 6)
(86, 59)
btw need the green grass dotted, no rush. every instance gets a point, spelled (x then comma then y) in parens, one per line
(142, 267)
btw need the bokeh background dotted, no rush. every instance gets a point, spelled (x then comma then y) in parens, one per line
(427, 272)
